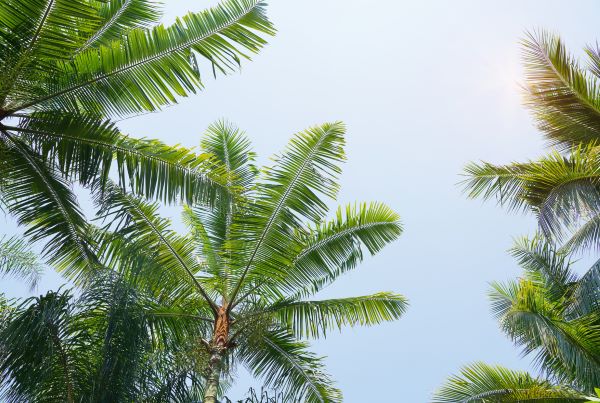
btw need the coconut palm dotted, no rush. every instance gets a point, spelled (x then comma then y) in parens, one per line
(106, 345)
(69, 69)
(561, 189)
(551, 313)
(248, 267)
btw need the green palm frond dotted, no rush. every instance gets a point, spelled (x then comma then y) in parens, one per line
(336, 246)
(39, 359)
(291, 191)
(567, 348)
(482, 383)
(155, 66)
(232, 149)
(541, 260)
(505, 182)
(18, 260)
(119, 17)
(85, 148)
(585, 299)
(564, 98)
(284, 364)
(586, 236)
(316, 318)
(41, 199)
(138, 220)
(49, 29)
(562, 191)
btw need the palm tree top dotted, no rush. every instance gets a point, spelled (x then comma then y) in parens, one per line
(247, 267)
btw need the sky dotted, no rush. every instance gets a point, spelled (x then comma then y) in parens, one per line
(424, 87)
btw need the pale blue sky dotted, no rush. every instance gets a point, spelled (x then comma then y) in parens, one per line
(424, 87)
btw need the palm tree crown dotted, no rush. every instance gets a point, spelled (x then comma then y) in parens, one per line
(246, 268)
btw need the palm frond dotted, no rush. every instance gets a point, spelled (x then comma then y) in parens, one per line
(482, 383)
(41, 199)
(155, 66)
(139, 221)
(306, 169)
(316, 318)
(120, 16)
(567, 349)
(18, 260)
(285, 365)
(562, 191)
(585, 298)
(541, 259)
(86, 148)
(336, 246)
(232, 148)
(40, 359)
(564, 98)
(505, 182)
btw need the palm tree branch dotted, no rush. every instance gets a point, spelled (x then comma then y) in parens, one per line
(144, 61)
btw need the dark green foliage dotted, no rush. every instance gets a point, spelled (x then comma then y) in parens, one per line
(100, 347)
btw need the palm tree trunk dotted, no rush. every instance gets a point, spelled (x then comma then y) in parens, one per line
(214, 375)
(218, 346)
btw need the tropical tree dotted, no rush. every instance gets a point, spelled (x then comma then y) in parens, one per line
(106, 345)
(68, 69)
(551, 313)
(248, 266)
(562, 188)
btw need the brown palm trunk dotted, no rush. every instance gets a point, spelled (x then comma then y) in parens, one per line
(218, 346)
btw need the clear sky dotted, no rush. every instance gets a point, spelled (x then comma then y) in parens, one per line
(424, 87)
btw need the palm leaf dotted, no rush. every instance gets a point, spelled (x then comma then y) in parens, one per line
(154, 65)
(315, 318)
(284, 364)
(334, 247)
(291, 192)
(86, 147)
(563, 97)
(18, 260)
(119, 17)
(482, 383)
(41, 199)
(568, 349)
(40, 359)
(138, 220)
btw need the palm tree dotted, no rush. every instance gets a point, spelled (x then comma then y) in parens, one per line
(107, 345)
(247, 267)
(561, 189)
(68, 69)
(550, 312)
